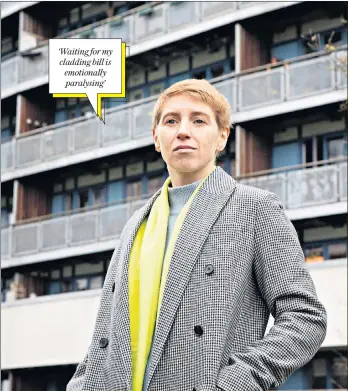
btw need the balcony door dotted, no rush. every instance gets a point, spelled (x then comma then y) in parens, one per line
(286, 155)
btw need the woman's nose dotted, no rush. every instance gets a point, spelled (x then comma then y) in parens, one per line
(184, 128)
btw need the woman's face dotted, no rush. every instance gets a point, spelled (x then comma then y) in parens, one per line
(186, 121)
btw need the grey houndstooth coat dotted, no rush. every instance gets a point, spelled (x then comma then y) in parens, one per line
(237, 259)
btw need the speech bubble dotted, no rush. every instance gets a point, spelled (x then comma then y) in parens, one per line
(92, 68)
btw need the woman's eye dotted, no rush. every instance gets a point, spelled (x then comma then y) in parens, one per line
(200, 121)
(170, 121)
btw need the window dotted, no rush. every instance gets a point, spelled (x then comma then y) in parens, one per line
(67, 271)
(68, 197)
(8, 126)
(154, 184)
(335, 147)
(337, 250)
(81, 284)
(88, 268)
(314, 254)
(134, 189)
(72, 114)
(339, 373)
(67, 286)
(54, 288)
(98, 194)
(156, 89)
(320, 150)
(199, 75)
(82, 198)
(334, 37)
(57, 188)
(308, 150)
(4, 218)
(217, 70)
(233, 167)
(55, 274)
(319, 374)
(96, 282)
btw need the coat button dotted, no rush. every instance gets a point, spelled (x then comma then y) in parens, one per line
(103, 343)
(113, 287)
(209, 269)
(230, 361)
(198, 330)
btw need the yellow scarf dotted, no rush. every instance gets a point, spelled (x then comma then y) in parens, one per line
(146, 278)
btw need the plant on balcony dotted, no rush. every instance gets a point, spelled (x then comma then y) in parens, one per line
(312, 41)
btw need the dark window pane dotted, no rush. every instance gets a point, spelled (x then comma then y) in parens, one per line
(67, 286)
(217, 70)
(333, 37)
(320, 153)
(199, 75)
(339, 373)
(319, 372)
(337, 250)
(83, 198)
(308, 150)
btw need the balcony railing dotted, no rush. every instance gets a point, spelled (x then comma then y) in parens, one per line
(62, 232)
(136, 26)
(9, 72)
(297, 189)
(300, 79)
(306, 187)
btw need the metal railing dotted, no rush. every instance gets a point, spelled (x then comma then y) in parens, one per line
(77, 229)
(134, 27)
(133, 121)
(297, 189)
(307, 186)
(9, 72)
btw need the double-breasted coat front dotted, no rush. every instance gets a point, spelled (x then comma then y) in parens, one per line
(237, 260)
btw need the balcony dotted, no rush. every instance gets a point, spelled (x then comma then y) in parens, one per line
(80, 233)
(34, 335)
(309, 192)
(27, 71)
(307, 82)
(143, 29)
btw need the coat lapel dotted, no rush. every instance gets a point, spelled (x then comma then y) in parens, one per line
(209, 201)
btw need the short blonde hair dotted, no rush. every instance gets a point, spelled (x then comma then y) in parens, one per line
(201, 90)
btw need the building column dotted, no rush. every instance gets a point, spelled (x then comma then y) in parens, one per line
(237, 41)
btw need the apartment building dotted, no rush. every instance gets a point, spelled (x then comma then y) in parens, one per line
(69, 183)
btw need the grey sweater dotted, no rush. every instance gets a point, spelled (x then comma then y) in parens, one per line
(177, 197)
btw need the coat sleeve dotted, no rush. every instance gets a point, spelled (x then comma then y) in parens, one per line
(77, 382)
(300, 320)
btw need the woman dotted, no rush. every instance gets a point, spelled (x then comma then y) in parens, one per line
(199, 269)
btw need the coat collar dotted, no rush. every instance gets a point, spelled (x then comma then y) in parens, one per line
(209, 201)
